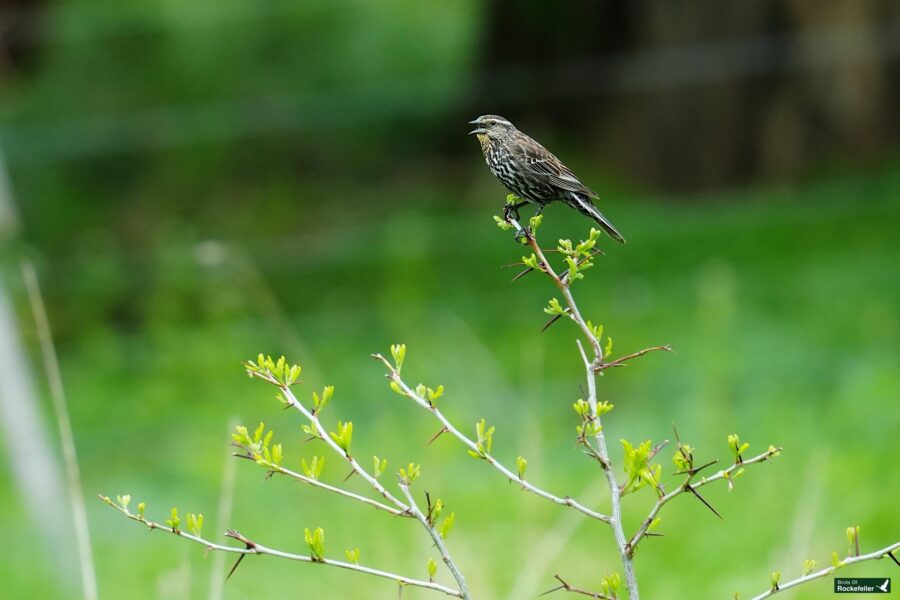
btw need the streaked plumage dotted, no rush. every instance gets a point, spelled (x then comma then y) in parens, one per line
(532, 173)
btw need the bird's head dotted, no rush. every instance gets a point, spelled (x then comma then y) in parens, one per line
(491, 127)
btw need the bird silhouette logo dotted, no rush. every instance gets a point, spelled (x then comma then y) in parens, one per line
(885, 587)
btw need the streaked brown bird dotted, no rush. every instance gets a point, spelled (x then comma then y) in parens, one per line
(532, 173)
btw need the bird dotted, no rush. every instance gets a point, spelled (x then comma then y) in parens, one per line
(532, 172)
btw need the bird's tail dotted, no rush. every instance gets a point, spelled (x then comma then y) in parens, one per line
(586, 207)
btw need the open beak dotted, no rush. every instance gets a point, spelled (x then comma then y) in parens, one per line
(477, 129)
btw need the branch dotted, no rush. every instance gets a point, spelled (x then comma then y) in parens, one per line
(323, 434)
(255, 548)
(273, 468)
(566, 586)
(448, 427)
(438, 541)
(591, 369)
(878, 554)
(620, 362)
(687, 486)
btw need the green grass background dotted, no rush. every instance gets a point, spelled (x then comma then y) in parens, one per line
(781, 304)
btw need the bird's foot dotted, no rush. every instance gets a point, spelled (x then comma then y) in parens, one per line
(511, 213)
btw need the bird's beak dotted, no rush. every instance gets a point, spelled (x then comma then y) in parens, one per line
(478, 130)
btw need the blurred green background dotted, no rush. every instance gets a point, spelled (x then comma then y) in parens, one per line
(197, 182)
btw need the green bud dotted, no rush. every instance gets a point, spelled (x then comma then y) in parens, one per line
(173, 521)
(398, 351)
(431, 567)
(447, 525)
(502, 224)
(316, 542)
(808, 566)
(434, 394)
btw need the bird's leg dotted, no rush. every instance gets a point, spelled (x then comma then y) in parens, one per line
(511, 215)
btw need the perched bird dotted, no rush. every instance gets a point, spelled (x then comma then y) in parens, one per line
(532, 173)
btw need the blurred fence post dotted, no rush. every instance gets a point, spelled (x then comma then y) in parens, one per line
(32, 457)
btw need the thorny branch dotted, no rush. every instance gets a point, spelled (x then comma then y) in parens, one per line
(687, 486)
(592, 367)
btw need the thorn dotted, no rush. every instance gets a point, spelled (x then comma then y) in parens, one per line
(522, 274)
(552, 321)
(551, 590)
(234, 568)
(894, 558)
(349, 475)
(701, 499)
(442, 431)
(696, 470)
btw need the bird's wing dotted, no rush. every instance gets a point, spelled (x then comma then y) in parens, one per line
(540, 162)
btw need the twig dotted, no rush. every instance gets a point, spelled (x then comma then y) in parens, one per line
(566, 586)
(622, 360)
(340, 491)
(878, 554)
(256, 548)
(438, 541)
(394, 376)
